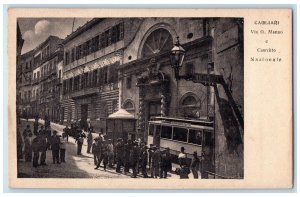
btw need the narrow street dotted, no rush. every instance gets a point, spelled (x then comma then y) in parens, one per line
(76, 166)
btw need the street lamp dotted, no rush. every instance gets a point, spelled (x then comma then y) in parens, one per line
(176, 57)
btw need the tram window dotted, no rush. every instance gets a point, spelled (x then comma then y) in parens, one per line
(195, 137)
(158, 129)
(166, 132)
(180, 134)
(151, 129)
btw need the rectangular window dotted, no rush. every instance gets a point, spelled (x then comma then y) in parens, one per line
(73, 55)
(189, 69)
(151, 129)
(166, 132)
(67, 60)
(102, 41)
(96, 43)
(105, 75)
(180, 134)
(109, 42)
(128, 82)
(95, 77)
(70, 84)
(195, 137)
(77, 53)
(114, 34)
(121, 31)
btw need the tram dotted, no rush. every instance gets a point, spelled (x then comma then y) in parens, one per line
(193, 135)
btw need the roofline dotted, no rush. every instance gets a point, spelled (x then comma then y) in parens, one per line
(82, 29)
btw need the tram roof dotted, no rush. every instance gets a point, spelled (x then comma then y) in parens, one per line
(182, 122)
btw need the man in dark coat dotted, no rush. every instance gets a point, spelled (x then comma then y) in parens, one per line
(36, 146)
(144, 161)
(156, 159)
(126, 153)
(35, 127)
(166, 163)
(43, 145)
(119, 154)
(79, 140)
(55, 141)
(134, 159)
(67, 132)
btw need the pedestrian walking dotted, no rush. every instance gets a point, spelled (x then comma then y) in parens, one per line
(156, 159)
(19, 145)
(119, 154)
(55, 147)
(95, 150)
(89, 141)
(110, 152)
(195, 165)
(144, 161)
(99, 152)
(79, 140)
(66, 130)
(28, 147)
(62, 152)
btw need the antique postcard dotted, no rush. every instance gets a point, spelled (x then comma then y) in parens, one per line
(150, 98)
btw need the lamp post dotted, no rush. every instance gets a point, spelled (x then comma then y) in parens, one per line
(176, 57)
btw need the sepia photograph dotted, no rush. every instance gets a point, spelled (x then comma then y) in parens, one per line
(130, 97)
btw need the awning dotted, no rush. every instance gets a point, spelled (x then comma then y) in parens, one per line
(121, 114)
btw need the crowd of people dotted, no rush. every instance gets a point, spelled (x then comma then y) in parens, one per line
(123, 156)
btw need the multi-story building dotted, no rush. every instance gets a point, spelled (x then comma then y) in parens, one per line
(24, 85)
(148, 87)
(90, 79)
(20, 42)
(48, 57)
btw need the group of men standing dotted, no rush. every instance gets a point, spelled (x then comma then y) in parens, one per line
(35, 144)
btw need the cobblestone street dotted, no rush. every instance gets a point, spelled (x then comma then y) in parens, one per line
(75, 167)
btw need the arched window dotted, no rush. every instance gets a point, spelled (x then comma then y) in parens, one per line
(158, 41)
(189, 101)
(129, 106)
(190, 105)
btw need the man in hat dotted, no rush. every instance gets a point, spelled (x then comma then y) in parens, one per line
(156, 159)
(55, 147)
(166, 163)
(195, 165)
(43, 145)
(67, 132)
(95, 150)
(144, 161)
(134, 159)
(119, 154)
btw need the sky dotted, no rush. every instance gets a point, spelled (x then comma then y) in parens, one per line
(36, 30)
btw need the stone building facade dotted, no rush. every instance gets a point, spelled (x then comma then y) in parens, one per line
(148, 87)
(45, 86)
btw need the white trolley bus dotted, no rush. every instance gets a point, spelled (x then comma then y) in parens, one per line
(193, 135)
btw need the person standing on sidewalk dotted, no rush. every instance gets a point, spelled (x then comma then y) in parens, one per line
(36, 147)
(35, 126)
(89, 141)
(67, 132)
(28, 147)
(195, 165)
(43, 145)
(55, 147)
(134, 159)
(95, 150)
(19, 145)
(156, 159)
(119, 154)
(144, 161)
(110, 151)
(62, 146)
(79, 140)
